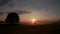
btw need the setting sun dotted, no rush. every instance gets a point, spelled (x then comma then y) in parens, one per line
(33, 20)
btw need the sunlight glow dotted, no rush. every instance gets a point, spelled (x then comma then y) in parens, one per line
(33, 21)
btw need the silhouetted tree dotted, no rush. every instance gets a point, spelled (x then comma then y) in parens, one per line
(12, 18)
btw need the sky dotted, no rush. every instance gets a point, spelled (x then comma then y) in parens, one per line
(31, 9)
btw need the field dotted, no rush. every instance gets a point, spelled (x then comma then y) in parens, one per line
(30, 29)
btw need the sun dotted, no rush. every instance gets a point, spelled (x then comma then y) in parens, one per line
(33, 20)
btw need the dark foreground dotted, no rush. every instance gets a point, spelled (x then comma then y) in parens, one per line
(30, 29)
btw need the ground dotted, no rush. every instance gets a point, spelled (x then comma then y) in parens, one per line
(30, 29)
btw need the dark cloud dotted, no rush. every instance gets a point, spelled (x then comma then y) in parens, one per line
(3, 2)
(6, 5)
(10, 3)
(20, 12)
(23, 12)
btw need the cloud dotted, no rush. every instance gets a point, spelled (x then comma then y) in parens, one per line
(3, 2)
(6, 5)
(23, 12)
(20, 12)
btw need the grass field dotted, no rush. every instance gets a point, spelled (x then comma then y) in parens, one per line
(30, 29)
